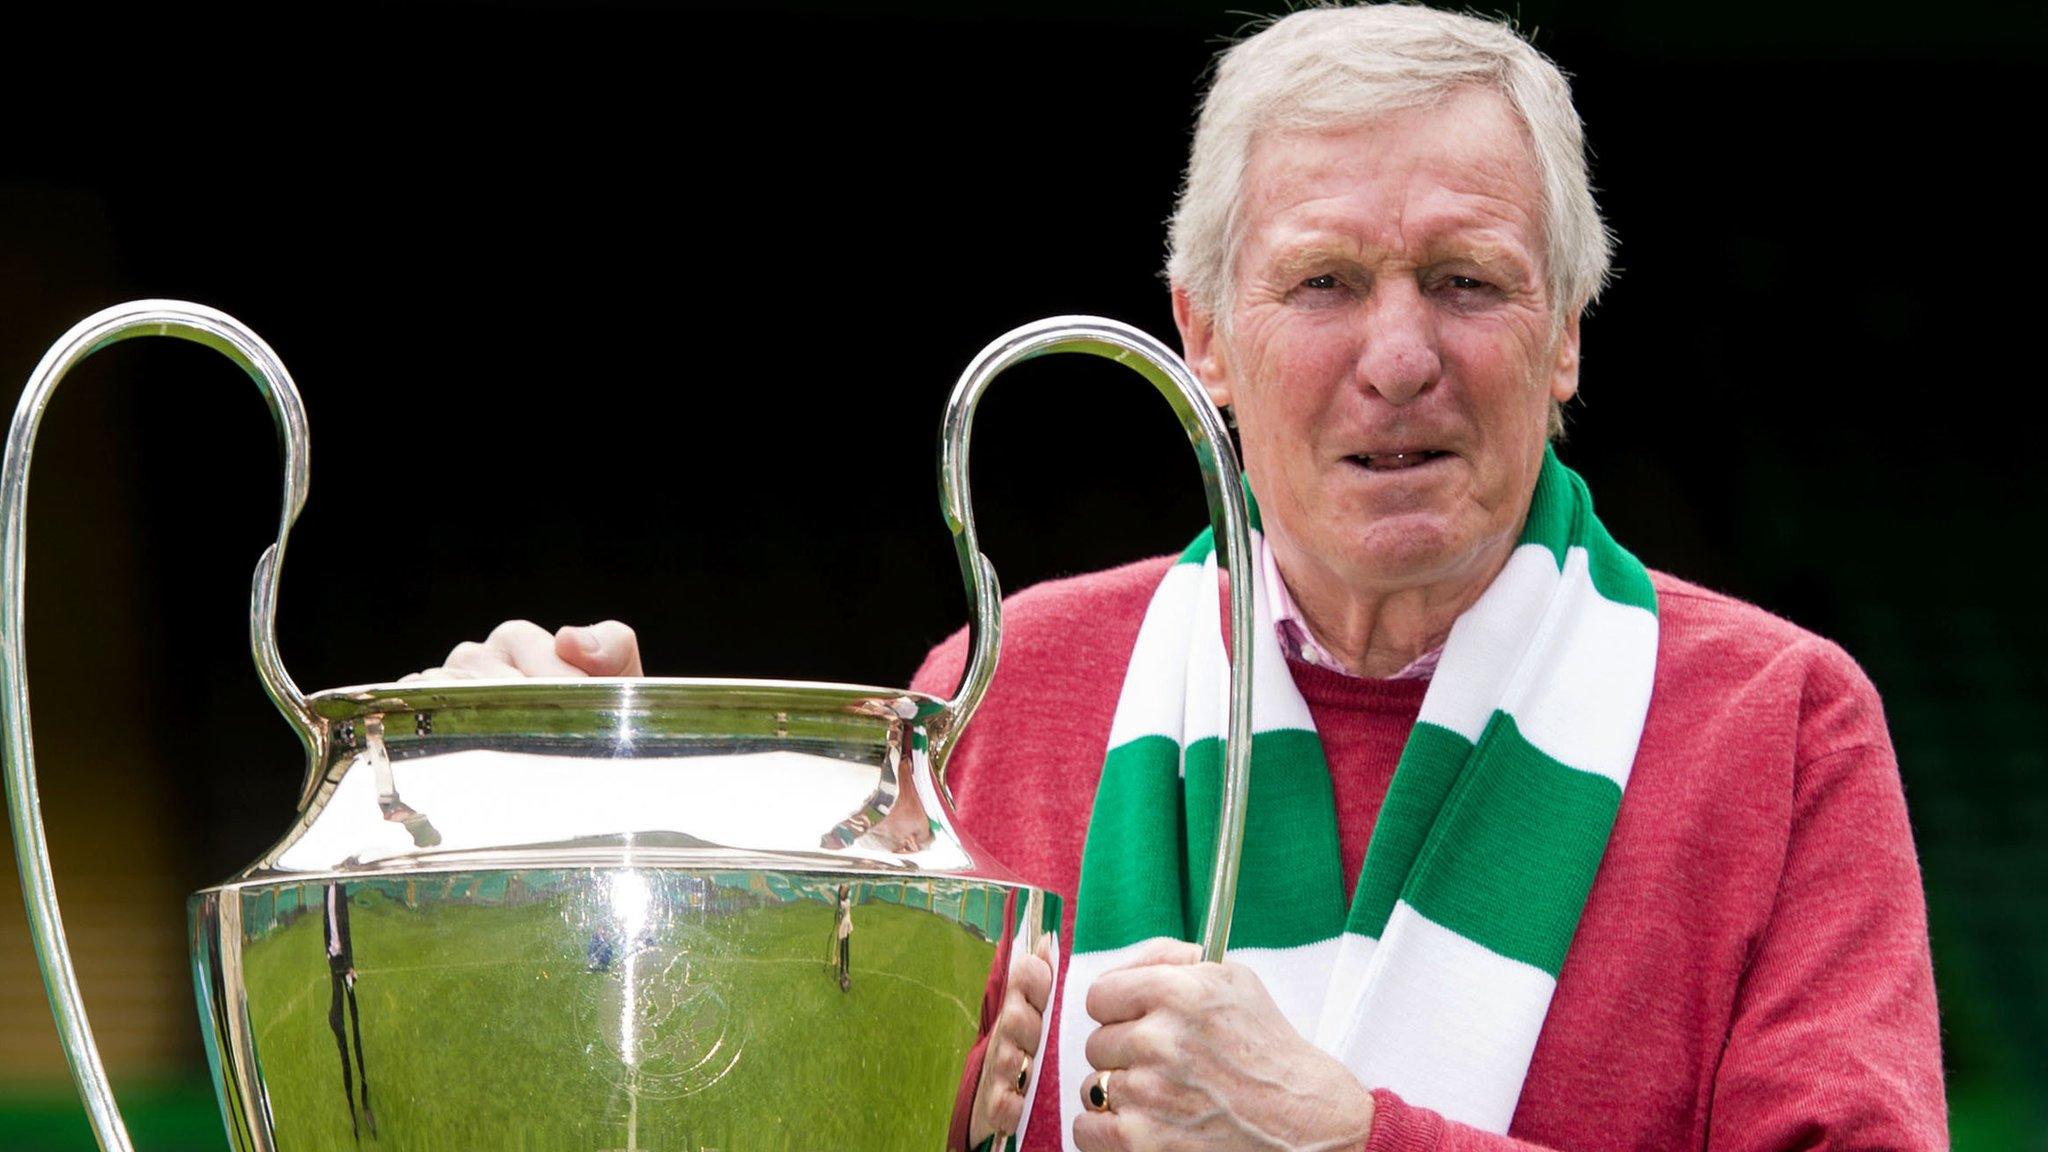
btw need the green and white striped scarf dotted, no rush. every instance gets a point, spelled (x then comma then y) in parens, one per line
(1433, 979)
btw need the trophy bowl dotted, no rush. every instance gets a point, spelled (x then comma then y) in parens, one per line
(606, 913)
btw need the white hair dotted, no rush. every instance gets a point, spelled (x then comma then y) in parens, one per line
(1336, 67)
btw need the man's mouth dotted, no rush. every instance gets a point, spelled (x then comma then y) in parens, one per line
(1396, 461)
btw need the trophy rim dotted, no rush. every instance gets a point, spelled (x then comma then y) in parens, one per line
(624, 694)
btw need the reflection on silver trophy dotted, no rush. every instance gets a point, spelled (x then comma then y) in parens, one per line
(599, 914)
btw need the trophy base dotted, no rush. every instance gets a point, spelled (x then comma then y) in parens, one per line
(584, 1008)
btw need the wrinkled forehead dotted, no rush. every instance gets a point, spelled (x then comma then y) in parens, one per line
(1461, 163)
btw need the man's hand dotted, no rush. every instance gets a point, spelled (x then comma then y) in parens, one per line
(520, 648)
(1012, 1045)
(1200, 1059)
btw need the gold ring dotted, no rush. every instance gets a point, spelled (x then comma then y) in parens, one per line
(1096, 1095)
(1024, 1076)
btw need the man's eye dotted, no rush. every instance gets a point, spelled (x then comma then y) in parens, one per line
(1322, 283)
(1464, 283)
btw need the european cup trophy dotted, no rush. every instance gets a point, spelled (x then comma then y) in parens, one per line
(639, 913)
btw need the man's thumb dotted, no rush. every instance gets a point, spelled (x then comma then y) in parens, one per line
(604, 649)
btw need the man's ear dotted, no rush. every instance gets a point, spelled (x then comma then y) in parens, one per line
(1564, 374)
(1202, 347)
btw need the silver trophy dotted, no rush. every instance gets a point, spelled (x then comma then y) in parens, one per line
(602, 914)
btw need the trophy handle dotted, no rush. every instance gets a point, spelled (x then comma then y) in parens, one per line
(1227, 513)
(224, 334)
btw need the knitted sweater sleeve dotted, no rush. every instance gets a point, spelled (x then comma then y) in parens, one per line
(1834, 1039)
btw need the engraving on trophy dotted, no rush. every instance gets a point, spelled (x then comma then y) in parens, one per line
(658, 1025)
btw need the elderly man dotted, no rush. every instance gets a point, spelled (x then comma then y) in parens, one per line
(1543, 849)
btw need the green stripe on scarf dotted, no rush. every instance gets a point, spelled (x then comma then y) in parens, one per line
(1521, 836)
(1292, 811)
(1428, 767)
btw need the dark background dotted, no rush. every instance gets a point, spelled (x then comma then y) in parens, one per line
(650, 311)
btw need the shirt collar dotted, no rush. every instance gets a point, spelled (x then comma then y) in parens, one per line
(1298, 643)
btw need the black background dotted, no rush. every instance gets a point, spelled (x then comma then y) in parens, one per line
(650, 311)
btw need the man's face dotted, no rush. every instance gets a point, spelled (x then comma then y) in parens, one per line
(1391, 352)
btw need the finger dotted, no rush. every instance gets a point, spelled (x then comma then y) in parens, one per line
(996, 1103)
(1006, 1063)
(1134, 987)
(481, 662)
(1129, 1124)
(1121, 1046)
(1006, 1112)
(1019, 1024)
(1032, 978)
(1095, 1132)
(1128, 993)
(1102, 1132)
(1002, 1104)
(999, 1067)
(607, 648)
(529, 648)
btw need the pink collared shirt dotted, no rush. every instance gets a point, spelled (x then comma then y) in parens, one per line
(1298, 643)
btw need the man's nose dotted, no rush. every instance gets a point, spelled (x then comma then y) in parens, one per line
(1400, 357)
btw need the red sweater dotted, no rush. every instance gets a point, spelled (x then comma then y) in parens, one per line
(1752, 969)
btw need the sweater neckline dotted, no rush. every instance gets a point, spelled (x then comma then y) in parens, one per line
(1331, 688)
